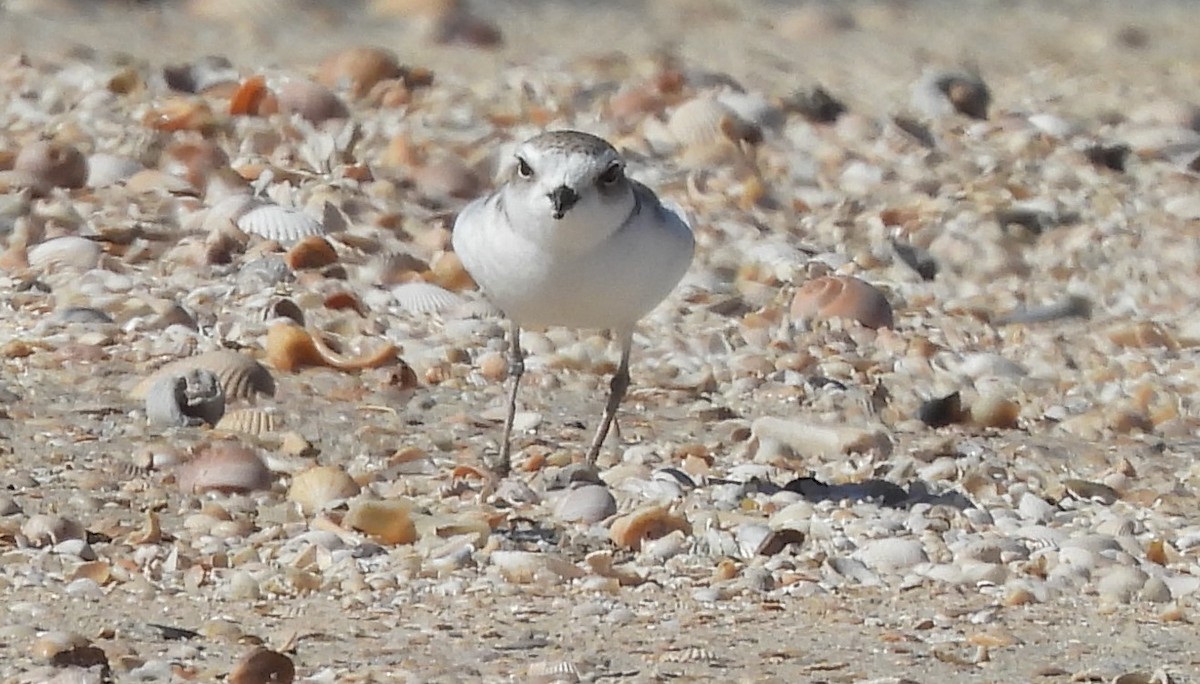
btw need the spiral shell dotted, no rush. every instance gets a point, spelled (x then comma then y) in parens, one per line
(842, 297)
(241, 377)
(223, 467)
(193, 397)
(425, 298)
(53, 164)
(274, 222)
(651, 522)
(290, 347)
(318, 486)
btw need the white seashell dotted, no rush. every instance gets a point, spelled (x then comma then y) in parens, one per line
(588, 504)
(752, 107)
(252, 421)
(319, 486)
(891, 554)
(423, 298)
(700, 122)
(274, 222)
(66, 253)
(193, 397)
(109, 169)
(241, 376)
(1184, 207)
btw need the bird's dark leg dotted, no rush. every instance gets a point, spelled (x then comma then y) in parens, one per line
(616, 392)
(516, 368)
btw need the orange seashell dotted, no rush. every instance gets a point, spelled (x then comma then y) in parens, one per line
(651, 522)
(223, 467)
(312, 101)
(263, 666)
(52, 164)
(466, 471)
(290, 347)
(842, 297)
(311, 252)
(193, 160)
(358, 69)
(387, 521)
(345, 300)
(181, 114)
(252, 98)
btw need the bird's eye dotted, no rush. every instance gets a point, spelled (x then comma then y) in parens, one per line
(611, 175)
(524, 170)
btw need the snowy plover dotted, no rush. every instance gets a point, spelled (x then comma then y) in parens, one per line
(569, 240)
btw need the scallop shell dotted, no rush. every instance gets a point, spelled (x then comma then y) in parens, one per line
(588, 504)
(358, 69)
(312, 101)
(241, 376)
(316, 487)
(842, 297)
(53, 164)
(251, 421)
(699, 122)
(274, 222)
(65, 253)
(425, 298)
(223, 467)
(193, 397)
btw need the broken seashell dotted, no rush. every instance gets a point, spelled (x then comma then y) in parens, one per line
(52, 164)
(223, 467)
(387, 521)
(193, 397)
(316, 487)
(648, 523)
(290, 347)
(252, 98)
(842, 297)
(283, 225)
(241, 376)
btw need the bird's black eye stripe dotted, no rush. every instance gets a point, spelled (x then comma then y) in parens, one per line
(524, 170)
(611, 175)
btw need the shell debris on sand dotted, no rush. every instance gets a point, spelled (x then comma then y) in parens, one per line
(926, 396)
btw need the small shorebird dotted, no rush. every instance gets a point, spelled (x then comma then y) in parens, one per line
(569, 240)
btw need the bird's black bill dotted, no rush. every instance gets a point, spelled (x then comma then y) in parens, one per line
(563, 198)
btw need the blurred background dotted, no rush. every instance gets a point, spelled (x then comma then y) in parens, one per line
(868, 50)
